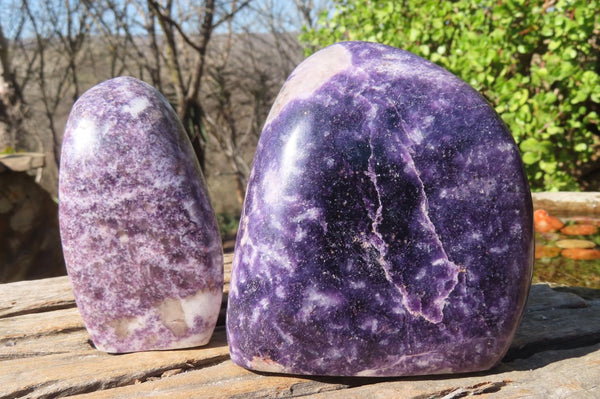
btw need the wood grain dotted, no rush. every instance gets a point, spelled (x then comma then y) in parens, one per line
(35, 296)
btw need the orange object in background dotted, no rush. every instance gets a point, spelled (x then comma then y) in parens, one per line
(545, 251)
(544, 223)
(579, 230)
(581, 253)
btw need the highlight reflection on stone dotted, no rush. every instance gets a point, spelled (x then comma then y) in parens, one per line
(387, 228)
(139, 233)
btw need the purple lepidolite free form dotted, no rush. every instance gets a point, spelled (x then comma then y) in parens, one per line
(387, 228)
(139, 234)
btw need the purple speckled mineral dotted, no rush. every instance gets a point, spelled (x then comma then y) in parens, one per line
(387, 228)
(139, 234)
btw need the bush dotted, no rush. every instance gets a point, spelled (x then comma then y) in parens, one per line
(228, 224)
(537, 62)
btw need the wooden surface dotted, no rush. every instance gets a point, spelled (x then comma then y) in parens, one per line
(45, 352)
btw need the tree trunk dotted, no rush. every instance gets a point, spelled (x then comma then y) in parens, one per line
(192, 121)
(12, 106)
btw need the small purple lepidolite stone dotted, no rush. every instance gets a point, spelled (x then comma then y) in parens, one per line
(139, 234)
(387, 228)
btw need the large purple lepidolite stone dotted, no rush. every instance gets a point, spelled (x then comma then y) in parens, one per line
(387, 228)
(139, 234)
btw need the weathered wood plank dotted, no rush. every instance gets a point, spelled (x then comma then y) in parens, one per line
(227, 259)
(39, 334)
(40, 324)
(544, 375)
(32, 347)
(557, 374)
(89, 370)
(35, 296)
(222, 380)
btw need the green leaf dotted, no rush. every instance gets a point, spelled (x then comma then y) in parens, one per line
(579, 97)
(529, 145)
(581, 147)
(550, 98)
(554, 130)
(553, 45)
(413, 35)
(569, 53)
(547, 31)
(548, 167)
(589, 78)
(529, 158)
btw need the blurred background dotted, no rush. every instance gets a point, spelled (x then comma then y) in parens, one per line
(222, 63)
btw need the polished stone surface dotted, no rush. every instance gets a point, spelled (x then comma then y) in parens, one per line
(387, 228)
(139, 234)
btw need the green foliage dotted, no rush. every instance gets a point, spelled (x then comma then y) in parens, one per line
(228, 223)
(537, 62)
